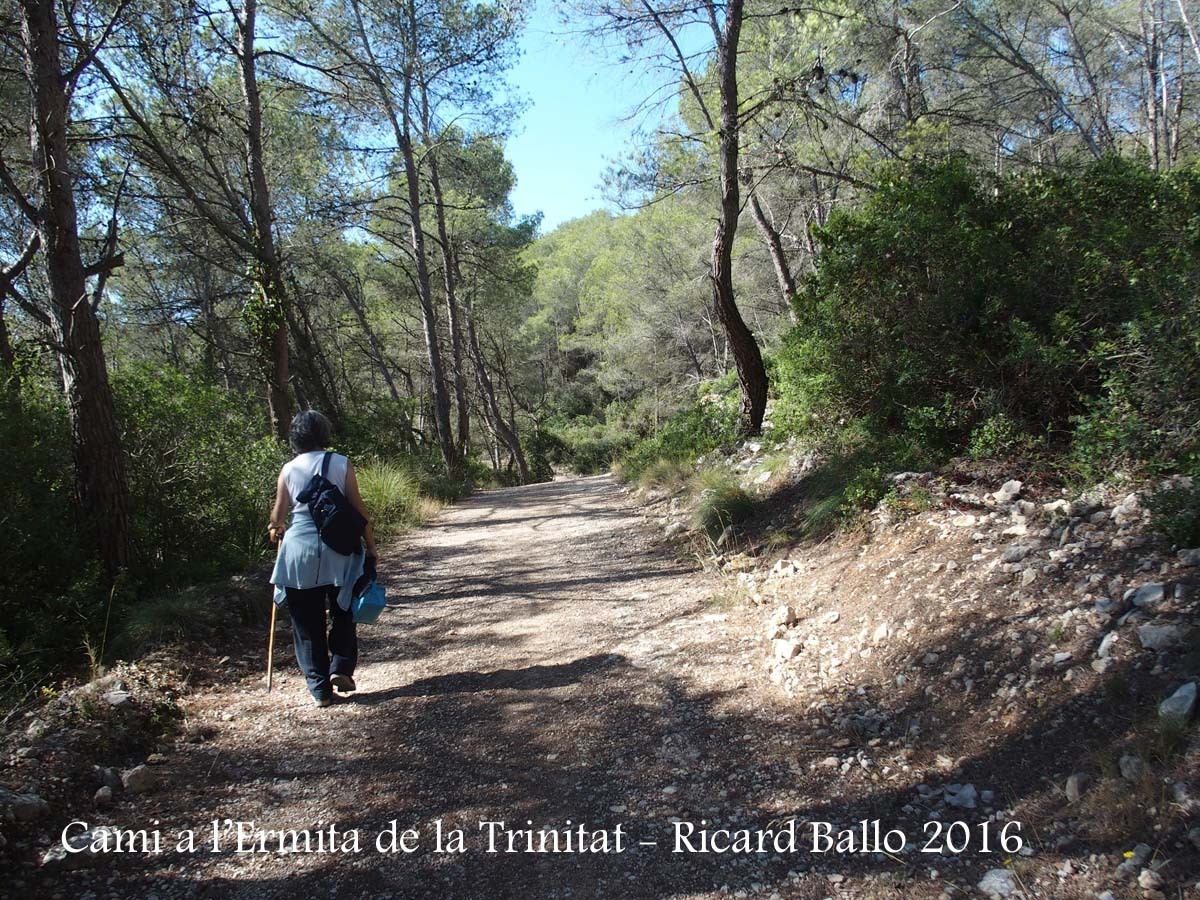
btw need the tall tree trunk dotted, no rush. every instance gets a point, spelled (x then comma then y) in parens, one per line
(102, 489)
(504, 432)
(269, 318)
(752, 374)
(449, 282)
(449, 275)
(401, 122)
(437, 375)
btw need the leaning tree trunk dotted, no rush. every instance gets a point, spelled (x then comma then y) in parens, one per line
(101, 486)
(783, 271)
(752, 374)
(268, 313)
(377, 355)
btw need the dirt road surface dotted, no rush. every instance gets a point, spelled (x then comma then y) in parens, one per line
(550, 662)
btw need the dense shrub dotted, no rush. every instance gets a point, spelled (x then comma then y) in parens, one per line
(49, 590)
(1053, 310)
(201, 475)
(1175, 509)
(588, 446)
(542, 449)
(379, 428)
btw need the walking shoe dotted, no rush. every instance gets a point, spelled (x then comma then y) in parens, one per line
(323, 701)
(343, 683)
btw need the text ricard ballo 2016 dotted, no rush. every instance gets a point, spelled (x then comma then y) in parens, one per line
(498, 836)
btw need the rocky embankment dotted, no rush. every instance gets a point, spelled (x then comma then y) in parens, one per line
(976, 634)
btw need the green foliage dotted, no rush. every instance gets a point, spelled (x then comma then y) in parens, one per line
(50, 589)
(378, 428)
(1175, 511)
(699, 428)
(588, 446)
(996, 437)
(542, 449)
(970, 314)
(201, 476)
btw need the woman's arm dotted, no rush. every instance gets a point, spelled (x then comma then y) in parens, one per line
(279, 511)
(356, 501)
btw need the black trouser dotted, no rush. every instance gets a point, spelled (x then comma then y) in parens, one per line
(307, 608)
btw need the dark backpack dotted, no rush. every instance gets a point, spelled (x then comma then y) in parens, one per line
(338, 523)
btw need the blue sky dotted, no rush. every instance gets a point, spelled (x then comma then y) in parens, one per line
(574, 125)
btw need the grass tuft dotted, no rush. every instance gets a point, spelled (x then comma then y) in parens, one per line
(669, 474)
(392, 494)
(721, 502)
(176, 615)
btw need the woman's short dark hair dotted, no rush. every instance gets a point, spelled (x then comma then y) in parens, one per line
(310, 431)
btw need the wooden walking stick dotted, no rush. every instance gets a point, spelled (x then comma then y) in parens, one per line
(274, 609)
(271, 645)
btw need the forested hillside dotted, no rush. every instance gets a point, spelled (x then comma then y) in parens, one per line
(894, 232)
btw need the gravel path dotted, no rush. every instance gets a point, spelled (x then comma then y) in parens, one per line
(550, 660)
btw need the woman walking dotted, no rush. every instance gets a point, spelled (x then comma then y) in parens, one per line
(310, 576)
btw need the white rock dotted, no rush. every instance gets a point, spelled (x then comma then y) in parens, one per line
(1179, 708)
(1128, 510)
(1057, 508)
(1149, 880)
(1076, 785)
(784, 568)
(786, 648)
(83, 846)
(1148, 596)
(1028, 577)
(139, 780)
(963, 521)
(962, 796)
(1009, 491)
(1104, 651)
(674, 529)
(882, 633)
(998, 883)
(1015, 553)
(784, 615)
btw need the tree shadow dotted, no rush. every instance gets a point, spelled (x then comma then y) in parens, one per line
(530, 678)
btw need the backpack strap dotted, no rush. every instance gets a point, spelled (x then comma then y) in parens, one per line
(325, 464)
